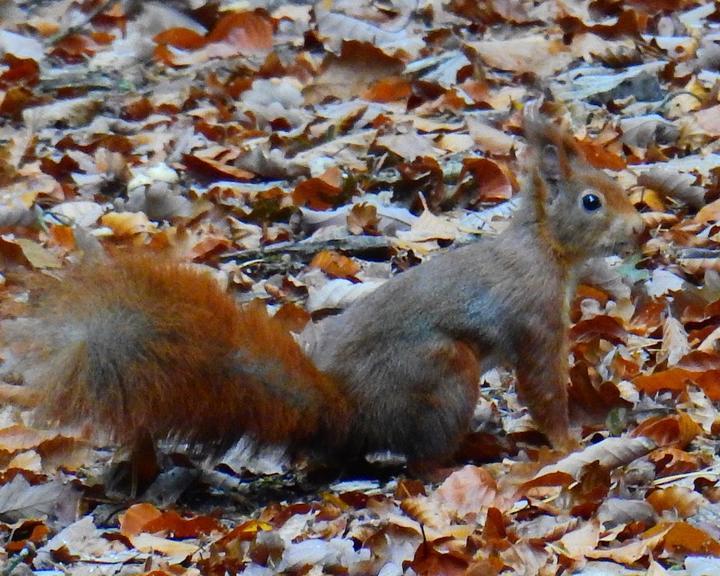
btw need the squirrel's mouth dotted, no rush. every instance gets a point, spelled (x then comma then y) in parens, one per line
(623, 249)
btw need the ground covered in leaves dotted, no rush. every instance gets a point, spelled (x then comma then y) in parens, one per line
(307, 152)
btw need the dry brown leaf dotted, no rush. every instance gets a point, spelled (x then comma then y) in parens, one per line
(429, 560)
(491, 182)
(338, 294)
(675, 430)
(675, 342)
(467, 493)
(359, 66)
(317, 194)
(671, 461)
(215, 168)
(127, 224)
(579, 542)
(363, 219)
(644, 131)
(683, 538)
(699, 266)
(615, 511)
(74, 112)
(335, 264)
(683, 501)
(340, 29)
(675, 185)
(631, 552)
(429, 227)
(489, 139)
(37, 255)
(709, 120)
(611, 453)
(134, 519)
(536, 54)
(677, 379)
(428, 512)
(547, 528)
(234, 34)
(28, 460)
(659, 219)
(174, 525)
(525, 558)
(599, 156)
(18, 499)
(709, 213)
(409, 146)
(175, 551)
(19, 437)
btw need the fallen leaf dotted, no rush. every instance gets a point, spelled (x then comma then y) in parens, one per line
(610, 453)
(127, 224)
(37, 255)
(467, 493)
(134, 519)
(18, 499)
(335, 264)
(677, 186)
(683, 501)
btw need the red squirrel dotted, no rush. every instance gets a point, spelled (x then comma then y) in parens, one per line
(138, 347)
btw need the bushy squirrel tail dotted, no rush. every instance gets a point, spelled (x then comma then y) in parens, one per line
(136, 347)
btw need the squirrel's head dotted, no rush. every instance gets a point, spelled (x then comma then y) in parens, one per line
(586, 212)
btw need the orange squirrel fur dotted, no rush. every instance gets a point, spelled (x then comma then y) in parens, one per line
(137, 346)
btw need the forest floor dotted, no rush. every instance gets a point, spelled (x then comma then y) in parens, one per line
(307, 152)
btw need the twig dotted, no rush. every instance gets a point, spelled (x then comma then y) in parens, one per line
(698, 253)
(308, 248)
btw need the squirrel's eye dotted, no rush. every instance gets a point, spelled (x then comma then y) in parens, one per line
(591, 202)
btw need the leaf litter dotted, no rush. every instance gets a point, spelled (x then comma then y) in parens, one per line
(329, 145)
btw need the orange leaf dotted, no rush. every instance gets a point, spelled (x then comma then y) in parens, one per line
(560, 479)
(317, 194)
(245, 531)
(215, 169)
(685, 538)
(134, 519)
(125, 224)
(332, 176)
(293, 317)
(209, 246)
(429, 561)
(163, 54)
(676, 430)
(73, 47)
(677, 379)
(388, 90)
(605, 327)
(599, 157)
(63, 236)
(335, 264)
(179, 527)
(249, 32)
(20, 70)
(684, 501)
(183, 38)
(492, 183)
(671, 461)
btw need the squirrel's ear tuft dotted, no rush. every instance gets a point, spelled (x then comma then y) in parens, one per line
(550, 163)
(554, 148)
